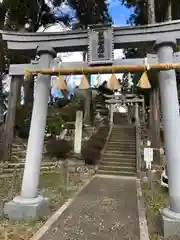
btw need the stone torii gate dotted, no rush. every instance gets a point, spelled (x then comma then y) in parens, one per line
(100, 41)
(136, 101)
(19, 69)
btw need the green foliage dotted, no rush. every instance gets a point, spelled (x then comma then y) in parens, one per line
(57, 118)
(20, 12)
(22, 121)
(60, 116)
(68, 113)
(58, 148)
(54, 125)
(36, 13)
(90, 12)
(139, 15)
(92, 151)
(23, 114)
(54, 120)
(125, 85)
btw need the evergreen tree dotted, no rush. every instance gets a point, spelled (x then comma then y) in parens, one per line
(91, 12)
(29, 15)
(163, 10)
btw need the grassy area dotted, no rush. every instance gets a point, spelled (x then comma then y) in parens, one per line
(154, 200)
(52, 186)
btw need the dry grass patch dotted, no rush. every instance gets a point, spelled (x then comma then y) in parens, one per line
(53, 186)
(154, 200)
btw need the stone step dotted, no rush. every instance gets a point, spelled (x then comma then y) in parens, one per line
(121, 147)
(122, 152)
(121, 141)
(120, 158)
(112, 141)
(117, 168)
(119, 126)
(119, 134)
(123, 126)
(116, 173)
(122, 138)
(119, 154)
(123, 130)
(118, 163)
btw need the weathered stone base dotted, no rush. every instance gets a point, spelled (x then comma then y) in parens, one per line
(171, 224)
(78, 156)
(23, 209)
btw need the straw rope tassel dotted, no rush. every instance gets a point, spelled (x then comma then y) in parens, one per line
(84, 83)
(144, 81)
(27, 73)
(113, 82)
(60, 83)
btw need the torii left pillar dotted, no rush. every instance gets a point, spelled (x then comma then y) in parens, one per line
(29, 204)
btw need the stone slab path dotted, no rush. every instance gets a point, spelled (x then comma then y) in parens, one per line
(105, 210)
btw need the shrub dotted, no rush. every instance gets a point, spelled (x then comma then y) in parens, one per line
(92, 151)
(69, 125)
(58, 148)
(91, 155)
(97, 144)
(22, 131)
(99, 138)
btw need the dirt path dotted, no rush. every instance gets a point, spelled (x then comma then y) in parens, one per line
(105, 210)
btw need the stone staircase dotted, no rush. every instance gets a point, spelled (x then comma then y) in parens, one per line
(101, 108)
(119, 157)
(120, 118)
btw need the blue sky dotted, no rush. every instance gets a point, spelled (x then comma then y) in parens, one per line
(119, 13)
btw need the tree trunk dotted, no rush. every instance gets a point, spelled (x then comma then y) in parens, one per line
(154, 100)
(151, 12)
(155, 125)
(87, 100)
(10, 118)
(18, 105)
(2, 65)
(28, 92)
(169, 11)
(87, 106)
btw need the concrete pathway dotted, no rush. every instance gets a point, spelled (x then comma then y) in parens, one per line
(106, 209)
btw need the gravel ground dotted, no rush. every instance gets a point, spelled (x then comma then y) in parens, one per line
(106, 209)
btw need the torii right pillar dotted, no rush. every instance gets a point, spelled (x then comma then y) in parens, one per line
(171, 120)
